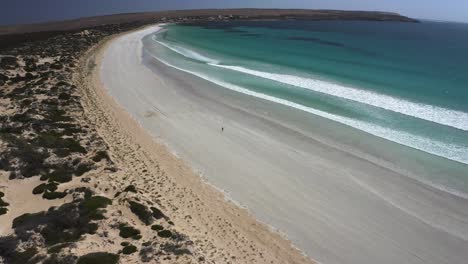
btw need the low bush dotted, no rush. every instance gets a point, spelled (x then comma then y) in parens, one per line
(127, 231)
(23, 256)
(99, 258)
(157, 227)
(142, 212)
(157, 213)
(100, 155)
(3, 210)
(41, 188)
(53, 195)
(93, 206)
(3, 203)
(130, 249)
(165, 233)
(57, 248)
(130, 188)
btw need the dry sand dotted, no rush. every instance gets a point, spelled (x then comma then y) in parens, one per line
(339, 205)
(223, 232)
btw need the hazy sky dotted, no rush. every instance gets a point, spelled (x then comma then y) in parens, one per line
(31, 11)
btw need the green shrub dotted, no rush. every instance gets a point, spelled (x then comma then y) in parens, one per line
(87, 192)
(165, 233)
(130, 188)
(100, 155)
(130, 249)
(62, 175)
(146, 244)
(82, 169)
(3, 210)
(157, 227)
(124, 244)
(127, 231)
(157, 213)
(98, 258)
(26, 218)
(95, 202)
(53, 195)
(55, 141)
(57, 248)
(3, 203)
(142, 212)
(51, 186)
(92, 206)
(92, 228)
(22, 257)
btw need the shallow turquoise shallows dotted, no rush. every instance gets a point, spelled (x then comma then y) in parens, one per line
(405, 82)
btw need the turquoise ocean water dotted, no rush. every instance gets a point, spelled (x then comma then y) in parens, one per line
(404, 82)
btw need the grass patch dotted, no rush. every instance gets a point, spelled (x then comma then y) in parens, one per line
(99, 258)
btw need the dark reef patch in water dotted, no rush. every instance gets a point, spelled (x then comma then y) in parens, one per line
(333, 44)
(251, 35)
(235, 31)
(317, 40)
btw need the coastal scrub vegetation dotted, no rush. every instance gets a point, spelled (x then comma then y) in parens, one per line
(140, 210)
(46, 135)
(3, 204)
(127, 231)
(99, 258)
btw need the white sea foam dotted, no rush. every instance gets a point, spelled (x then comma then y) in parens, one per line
(431, 113)
(186, 52)
(443, 116)
(450, 151)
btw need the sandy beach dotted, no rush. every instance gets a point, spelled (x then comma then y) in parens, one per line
(222, 232)
(333, 201)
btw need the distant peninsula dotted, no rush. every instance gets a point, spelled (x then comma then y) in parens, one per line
(206, 14)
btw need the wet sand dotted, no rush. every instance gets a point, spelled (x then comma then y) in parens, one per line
(292, 170)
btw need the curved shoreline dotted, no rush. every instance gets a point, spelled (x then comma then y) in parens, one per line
(239, 235)
(373, 212)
